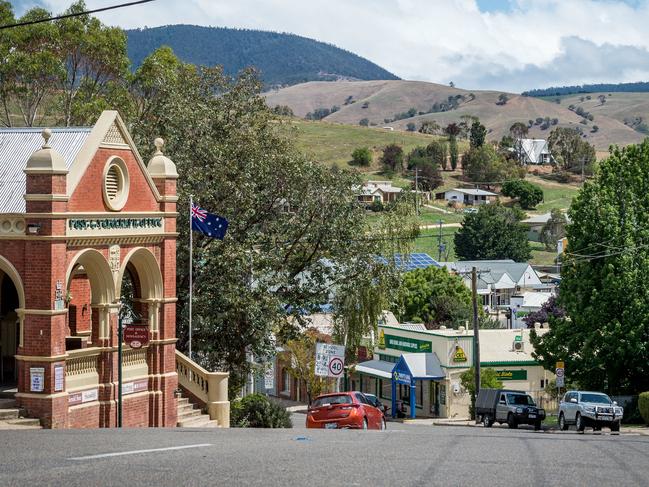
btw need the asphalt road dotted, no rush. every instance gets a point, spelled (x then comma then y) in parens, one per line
(403, 455)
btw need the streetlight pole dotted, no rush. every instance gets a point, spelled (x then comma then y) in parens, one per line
(476, 333)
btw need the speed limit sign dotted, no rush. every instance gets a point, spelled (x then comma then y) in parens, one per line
(335, 367)
(329, 360)
(559, 372)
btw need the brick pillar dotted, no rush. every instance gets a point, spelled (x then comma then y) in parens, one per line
(162, 350)
(43, 348)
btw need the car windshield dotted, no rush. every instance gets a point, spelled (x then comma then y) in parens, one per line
(326, 400)
(596, 398)
(520, 400)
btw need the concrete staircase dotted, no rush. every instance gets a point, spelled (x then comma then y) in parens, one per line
(190, 416)
(12, 417)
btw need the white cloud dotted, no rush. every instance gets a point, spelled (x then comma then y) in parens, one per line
(536, 43)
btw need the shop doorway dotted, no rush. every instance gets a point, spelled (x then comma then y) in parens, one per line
(9, 330)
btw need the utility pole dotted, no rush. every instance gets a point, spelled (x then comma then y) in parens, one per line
(417, 190)
(476, 333)
(439, 242)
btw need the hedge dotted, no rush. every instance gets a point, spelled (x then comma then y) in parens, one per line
(643, 406)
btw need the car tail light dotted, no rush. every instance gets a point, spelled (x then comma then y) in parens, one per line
(350, 406)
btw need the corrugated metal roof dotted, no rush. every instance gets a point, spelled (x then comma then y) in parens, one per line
(16, 147)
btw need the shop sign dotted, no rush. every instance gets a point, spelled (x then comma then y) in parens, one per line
(382, 340)
(79, 227)
(459, 355)
(407, 344)
(402, 378)
(511, 374)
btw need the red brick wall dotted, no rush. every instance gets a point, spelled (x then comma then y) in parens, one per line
(79, 310)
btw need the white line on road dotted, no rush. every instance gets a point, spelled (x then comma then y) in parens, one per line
(135, 452)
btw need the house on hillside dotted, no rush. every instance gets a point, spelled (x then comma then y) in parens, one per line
(468, 197)
(535, 151)
(378, 191)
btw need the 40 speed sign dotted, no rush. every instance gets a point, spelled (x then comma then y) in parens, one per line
(329, 360)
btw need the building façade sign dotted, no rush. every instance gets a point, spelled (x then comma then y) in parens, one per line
(80, 227)
(404, 344)
(511, 374)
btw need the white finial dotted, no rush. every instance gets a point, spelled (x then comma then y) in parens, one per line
(46, 133)
(159, 143)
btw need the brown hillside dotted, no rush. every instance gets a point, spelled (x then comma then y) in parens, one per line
(384, 99)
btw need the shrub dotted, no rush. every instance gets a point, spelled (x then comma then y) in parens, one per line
(643, 406)
(256, 411)
(362, 156)
(376, 206)
(363, 122)
(411, 127)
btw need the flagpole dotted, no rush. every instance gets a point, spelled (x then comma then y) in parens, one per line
(191, 277)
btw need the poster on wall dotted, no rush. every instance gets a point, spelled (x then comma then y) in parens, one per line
(36, 379)
(58, 378)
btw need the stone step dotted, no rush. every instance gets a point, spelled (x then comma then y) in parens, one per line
(202, 421)
(7, 403)
(8, 393)
(25, 422)
(185, 407)
(193, 413)
(182, 400)
(13, 413)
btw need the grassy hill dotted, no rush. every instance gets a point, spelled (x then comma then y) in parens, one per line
(283, 59)
(380, 100)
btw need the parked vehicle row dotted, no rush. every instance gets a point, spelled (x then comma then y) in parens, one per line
(579, 408)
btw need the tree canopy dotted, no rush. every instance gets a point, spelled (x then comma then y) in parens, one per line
(605, 344)
(494, 232)
(570, 151)
(527, 194)
(485, 165)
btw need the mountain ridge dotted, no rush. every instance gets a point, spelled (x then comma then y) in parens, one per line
(283, 59)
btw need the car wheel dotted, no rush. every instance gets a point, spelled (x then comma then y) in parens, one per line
(511, 421)
(486, 421)
(615, 427)
(563, 426)
(579, 423)
(537, 426)
(364, 423)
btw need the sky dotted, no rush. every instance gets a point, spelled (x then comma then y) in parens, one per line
(511, 45)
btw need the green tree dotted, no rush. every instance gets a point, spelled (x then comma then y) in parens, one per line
(502, 99)
(570, 151)
(362, 156)
(300, 357)
(429, 127)
(438, 153)
(453, 152)
(411, 127)
(435, 297)
(364, 122)
(290, 219)
(392, 158)
(478, 135)
(554, 229)
(528, 194)
(494, 232)
(605, 345)
(488, 380)
(485, 164)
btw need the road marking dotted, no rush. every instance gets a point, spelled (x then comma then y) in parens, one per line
(135, 452)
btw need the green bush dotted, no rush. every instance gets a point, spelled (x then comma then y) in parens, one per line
(256, 411)
(643, 406)
(362, 156)
(529, 195)
(376, 206)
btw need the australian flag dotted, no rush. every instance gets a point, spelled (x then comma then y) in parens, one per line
(208, 224)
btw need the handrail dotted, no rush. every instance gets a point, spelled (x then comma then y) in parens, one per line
(209, 388)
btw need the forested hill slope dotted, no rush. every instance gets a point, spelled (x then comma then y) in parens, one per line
(283, 59)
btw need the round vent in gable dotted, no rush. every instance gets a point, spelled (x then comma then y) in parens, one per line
(116, 184)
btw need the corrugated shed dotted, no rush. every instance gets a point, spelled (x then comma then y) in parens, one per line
(17, 145)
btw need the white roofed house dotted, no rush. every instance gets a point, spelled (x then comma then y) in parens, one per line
(467, 197)
(535, 151)
(378, 191)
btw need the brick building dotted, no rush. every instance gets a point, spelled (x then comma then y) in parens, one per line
(85, 224)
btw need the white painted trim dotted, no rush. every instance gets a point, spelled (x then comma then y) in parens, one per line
(135, 452)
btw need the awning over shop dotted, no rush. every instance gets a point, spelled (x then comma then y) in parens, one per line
(376, 368)
(422, 366)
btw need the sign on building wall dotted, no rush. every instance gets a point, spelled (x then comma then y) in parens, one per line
(406, 344)
(511, 374)
(36, 379)
(329, 360)
(458, 354)
(58, 378)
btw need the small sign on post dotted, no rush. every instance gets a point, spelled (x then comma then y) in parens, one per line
(329, 360)
(136, 336)
(560, 373)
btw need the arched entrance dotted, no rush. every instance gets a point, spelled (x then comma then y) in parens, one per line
(89, 295)
(139, 285)
(12, 301)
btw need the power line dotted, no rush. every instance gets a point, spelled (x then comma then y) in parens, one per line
(76, 14)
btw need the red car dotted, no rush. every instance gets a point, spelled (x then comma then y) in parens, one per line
(344, 410)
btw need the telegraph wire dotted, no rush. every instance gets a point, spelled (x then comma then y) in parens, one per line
(76, 14)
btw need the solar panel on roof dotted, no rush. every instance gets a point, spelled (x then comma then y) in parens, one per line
(414, 261)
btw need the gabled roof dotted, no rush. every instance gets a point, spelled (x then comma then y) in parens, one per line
(496, 273)
(474, 192)
(421, 365)
(534, 149)
(16, 147)
(77, 146)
